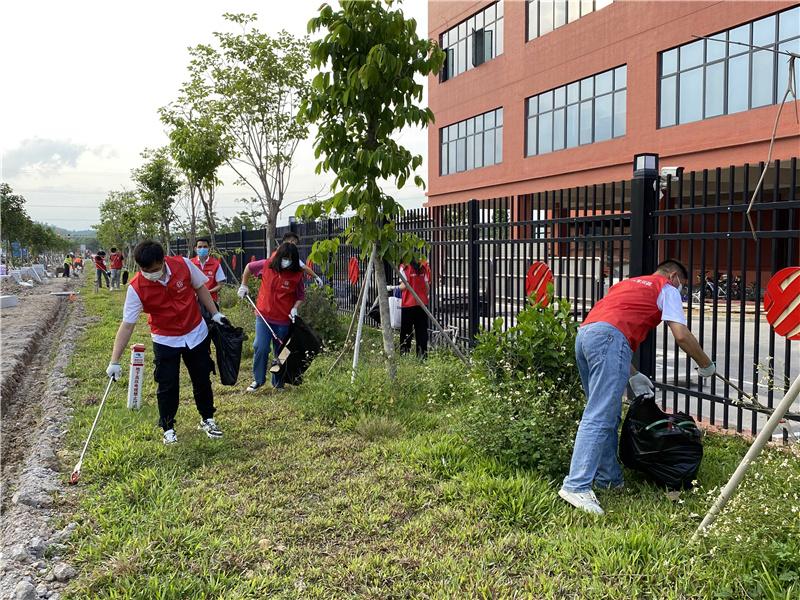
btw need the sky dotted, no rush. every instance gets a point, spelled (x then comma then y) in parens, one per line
(80, 97)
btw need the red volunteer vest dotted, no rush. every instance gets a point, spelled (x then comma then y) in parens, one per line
(99, 263)
(210, 271)
(631, 306)
(417, 282)
(116, 260)
(172, 309)
(277, 294)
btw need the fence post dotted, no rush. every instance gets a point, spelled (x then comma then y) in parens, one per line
(473, 272)
(644, 256)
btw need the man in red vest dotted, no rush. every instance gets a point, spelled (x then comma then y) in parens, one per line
(168, 288)
(210, 266)
(606, 341)
(116, 259)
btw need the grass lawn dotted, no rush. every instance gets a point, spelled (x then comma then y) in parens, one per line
(335, 491)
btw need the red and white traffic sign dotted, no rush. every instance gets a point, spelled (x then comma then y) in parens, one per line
(782, 302)
(536, 281)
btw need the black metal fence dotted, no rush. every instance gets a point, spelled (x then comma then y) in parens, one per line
(593, 236)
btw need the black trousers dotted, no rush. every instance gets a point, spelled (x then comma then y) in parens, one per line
(168, 364)
(414, 320)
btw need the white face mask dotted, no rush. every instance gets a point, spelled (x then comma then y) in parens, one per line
(680, 289)
(153, 276)
(286, 263)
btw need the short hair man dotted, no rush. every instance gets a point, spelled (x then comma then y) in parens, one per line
(168, 289)
(610, 334)
(210, 266)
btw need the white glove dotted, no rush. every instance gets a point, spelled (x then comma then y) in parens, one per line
(707, 371)
(642, 386)
(114, 371)
(293, 314)
(390, 288)
(217, 317)
(243, 291)
(318, 281)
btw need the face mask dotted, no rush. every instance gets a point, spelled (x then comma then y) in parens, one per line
(202, 252)
(680, 288)
(286, 263)
(153, 276)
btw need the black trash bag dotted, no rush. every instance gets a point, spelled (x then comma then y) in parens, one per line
(125, 277)
(666, 448)
(303, 344)
(228, 341)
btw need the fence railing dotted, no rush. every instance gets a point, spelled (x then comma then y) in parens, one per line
(591, 237)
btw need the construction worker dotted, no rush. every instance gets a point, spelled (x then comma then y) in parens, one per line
(210, 266)
(67, 265)
(168, 290)
(607, 339)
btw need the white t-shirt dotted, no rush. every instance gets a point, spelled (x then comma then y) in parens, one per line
(133, 308)
(219, 275)
(671, 305)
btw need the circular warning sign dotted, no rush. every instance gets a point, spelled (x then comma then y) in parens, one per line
(782, 302)
(536, 281)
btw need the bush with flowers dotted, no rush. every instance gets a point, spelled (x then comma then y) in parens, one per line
(529, 398)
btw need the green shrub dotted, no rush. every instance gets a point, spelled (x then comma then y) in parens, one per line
(528, 398)
(319, 310)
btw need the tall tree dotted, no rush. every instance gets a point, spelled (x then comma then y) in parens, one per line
(158, 184)
(125, 220)
(364, 94)
(198, 145)
(253, 84)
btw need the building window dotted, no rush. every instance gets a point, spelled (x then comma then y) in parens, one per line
(724, 74)
(582, 112)
(546, 15)
(473, 41)
(471, 144)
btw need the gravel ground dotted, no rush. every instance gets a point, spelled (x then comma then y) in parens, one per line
(38, 337)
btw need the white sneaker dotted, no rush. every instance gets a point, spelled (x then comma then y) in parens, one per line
(586, 501)
(170, 437)
(252, 387)
(211, 428)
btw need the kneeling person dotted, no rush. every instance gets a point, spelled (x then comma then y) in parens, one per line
(168, 289)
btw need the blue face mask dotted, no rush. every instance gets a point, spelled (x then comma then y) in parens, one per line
(202, 252)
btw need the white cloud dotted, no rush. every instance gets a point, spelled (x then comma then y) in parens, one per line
(88, 81)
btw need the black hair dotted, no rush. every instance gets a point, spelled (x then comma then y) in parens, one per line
(672, 265)
(285, 250)
(290, 235)
(113, 248)
(148, 253)
(202, 239)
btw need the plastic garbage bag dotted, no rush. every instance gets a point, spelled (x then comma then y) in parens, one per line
(228, 341)
(666, 448)
(303, 344)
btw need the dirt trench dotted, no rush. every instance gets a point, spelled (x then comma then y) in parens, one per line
(38, 337)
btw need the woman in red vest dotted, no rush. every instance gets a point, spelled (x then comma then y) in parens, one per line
(412, 316)
(168, 289)
(279, 296)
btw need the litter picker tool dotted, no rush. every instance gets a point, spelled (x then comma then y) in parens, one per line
(782, 308)
(76, 472)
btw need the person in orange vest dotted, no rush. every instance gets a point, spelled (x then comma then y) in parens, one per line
(210, 266)
(607, 339)
(280, 294)
(115, 258)
(168, 289)
(413, 318)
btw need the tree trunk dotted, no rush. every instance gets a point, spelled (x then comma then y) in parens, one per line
(272, 230)
(386, 322)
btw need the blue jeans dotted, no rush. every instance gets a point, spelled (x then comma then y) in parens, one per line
(261, 354)
(604, 361)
